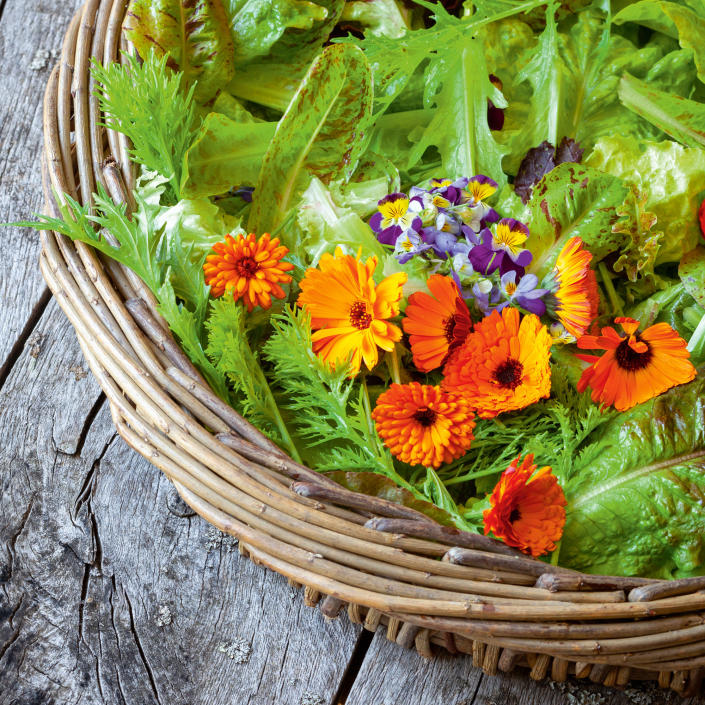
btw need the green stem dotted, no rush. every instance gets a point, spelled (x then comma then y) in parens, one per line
(393, 365)
(609, 287)
(470, 476)
(698, 336)
(556, 554)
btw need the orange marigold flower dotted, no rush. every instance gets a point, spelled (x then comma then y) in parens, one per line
(249, 268)
(436, 326)
(503, 365)
(527, 510)
(348, 312)
(574, 287)
(423, 425)
(635, 367)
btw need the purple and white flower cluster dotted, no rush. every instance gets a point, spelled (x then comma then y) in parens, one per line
(452, 227)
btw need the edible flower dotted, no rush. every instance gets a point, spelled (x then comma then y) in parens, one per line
(501, 249)
(636, 366)
(503, 365)
(525, 292)
(423, 425)
(575, 298)
(251, 269)
(409, 244)
(436, 323)
(395, 214)
(527, 508)
(348, 312)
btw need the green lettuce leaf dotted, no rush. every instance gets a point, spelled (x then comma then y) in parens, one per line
(256, 25)
(388, 18)
(194, 35)
(224, 154)
(692, 273)
(672, 176)
(637, 508)
(638, 255)
(674, 20)
(574, 200)
(321, 134)
(682, 119)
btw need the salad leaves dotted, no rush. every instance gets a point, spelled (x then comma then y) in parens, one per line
(637, 507)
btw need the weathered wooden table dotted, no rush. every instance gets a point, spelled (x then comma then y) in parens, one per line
(111, 589)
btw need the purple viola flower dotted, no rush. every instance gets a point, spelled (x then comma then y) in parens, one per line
(478, 189)
(486, 295)
(408, 245)
(502, 249)
(476, 213)
(525, 293)
(443, 243)
(447, 190)
(395, 215)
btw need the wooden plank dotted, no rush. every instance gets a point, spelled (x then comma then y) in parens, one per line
(111, 590)
(30, 37)
(390, 675)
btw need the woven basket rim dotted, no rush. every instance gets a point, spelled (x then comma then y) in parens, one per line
(480, 598)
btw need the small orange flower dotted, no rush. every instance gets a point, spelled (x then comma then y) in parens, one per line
(503, 365)
(635, 367)
(249, 268)
(348, 312)
(527, 510)
(423, 425)
(436, 326)
(574, 288)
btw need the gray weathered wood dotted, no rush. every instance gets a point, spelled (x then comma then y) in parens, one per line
(111, 590)
(30, 40)
(391, 675)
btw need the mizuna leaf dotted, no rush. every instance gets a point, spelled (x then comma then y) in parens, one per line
(321, 133)
(638, 506)
(195, 35)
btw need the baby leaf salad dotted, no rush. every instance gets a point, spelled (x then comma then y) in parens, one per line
(449, 256)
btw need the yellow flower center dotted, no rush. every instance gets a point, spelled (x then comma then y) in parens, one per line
(510, 288)
(394, 210)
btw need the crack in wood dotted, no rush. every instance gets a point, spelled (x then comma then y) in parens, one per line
(16, 350)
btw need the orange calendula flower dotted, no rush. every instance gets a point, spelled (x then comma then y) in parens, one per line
(527, 509)
(251, 269)
(574, 288)
(436, 325)
(348, 312)
(503, 365)
(423, 425)
(635, 367)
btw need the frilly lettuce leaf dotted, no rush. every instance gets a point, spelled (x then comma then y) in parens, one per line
(321, 134)
(636, 508)
(574, 200)
(387, 18)
(671, 175)
(256, 25)
(638, 255)
(194, 35)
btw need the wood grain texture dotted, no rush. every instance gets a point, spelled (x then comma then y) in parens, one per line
(30, 40)
(111, 590)
(391, 675)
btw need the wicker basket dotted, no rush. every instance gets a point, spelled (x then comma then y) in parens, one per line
(429, 586)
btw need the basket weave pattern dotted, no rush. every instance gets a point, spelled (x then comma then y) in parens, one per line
(379, 560)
